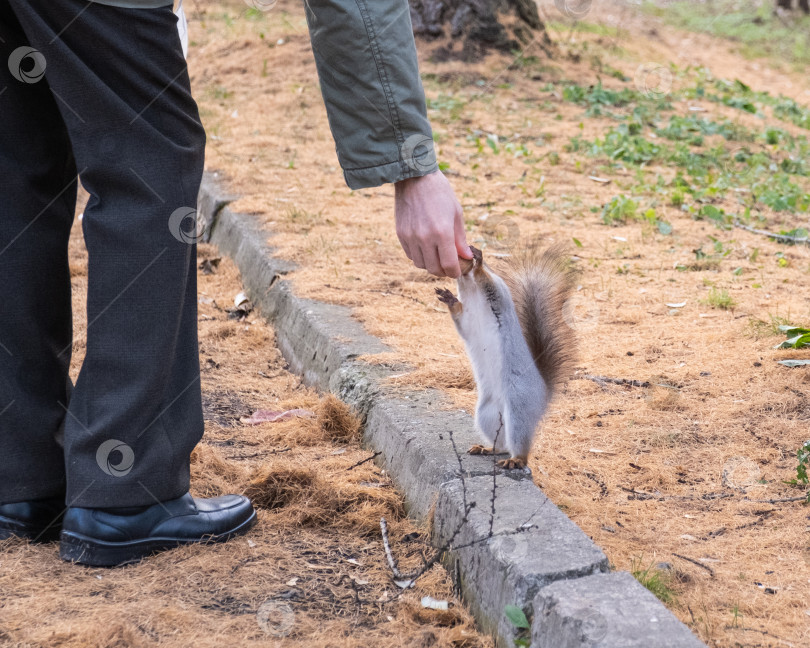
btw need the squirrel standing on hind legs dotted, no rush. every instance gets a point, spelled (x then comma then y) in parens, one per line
(518, 342)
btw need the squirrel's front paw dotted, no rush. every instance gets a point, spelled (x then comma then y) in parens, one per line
(512, 463)
(445, 296)
(478, 449)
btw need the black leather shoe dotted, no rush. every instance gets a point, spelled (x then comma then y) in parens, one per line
(110, 537)
(36, 520)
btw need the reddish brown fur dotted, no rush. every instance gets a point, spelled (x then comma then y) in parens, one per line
(541, 283)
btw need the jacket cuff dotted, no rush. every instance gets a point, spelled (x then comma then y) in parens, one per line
(417, 158)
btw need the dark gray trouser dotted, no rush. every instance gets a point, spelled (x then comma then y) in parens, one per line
(114, 106)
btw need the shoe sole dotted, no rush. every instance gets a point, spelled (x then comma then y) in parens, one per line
(84, 550)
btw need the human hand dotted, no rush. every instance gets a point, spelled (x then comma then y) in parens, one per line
(430, 224)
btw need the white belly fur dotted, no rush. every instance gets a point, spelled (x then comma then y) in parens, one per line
(479, 330)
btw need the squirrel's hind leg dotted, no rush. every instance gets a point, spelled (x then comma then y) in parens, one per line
(490, 424)
(521, 423)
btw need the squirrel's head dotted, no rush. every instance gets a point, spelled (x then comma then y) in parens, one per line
(468, 265)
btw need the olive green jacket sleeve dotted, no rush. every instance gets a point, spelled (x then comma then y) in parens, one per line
(366, 59)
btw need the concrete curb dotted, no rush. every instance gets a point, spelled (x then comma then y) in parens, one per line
(532, 556)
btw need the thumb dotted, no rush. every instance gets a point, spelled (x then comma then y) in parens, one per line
(462, 248)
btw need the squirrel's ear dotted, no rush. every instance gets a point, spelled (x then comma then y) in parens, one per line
(477, 254)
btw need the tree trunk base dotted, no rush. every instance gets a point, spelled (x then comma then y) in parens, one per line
(478, 26)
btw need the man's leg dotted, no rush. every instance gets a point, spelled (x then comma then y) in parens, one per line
(120, 81)
(37, 204)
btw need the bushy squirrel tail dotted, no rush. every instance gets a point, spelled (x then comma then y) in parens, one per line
(541, 282)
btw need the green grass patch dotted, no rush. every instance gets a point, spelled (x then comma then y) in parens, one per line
(659, 582)
(759, 328)
(619, 209)
(446, 108)
(757, 177)
(754, 26)
(719, 298)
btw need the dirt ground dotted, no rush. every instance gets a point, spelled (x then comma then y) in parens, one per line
(682, 477)
(312, 572)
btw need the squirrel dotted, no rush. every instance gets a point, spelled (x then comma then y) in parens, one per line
(518, 342)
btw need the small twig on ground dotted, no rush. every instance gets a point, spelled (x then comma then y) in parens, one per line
(784, 238)
(695, 562)
(714, 496)
(603, 489)
(764, 515)
(761, 517)
(260, 454)
(779, 500)
(641, 495)
(769, 634)
(367, 459)
(392, 563)
(427, 564)
(616, 381)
